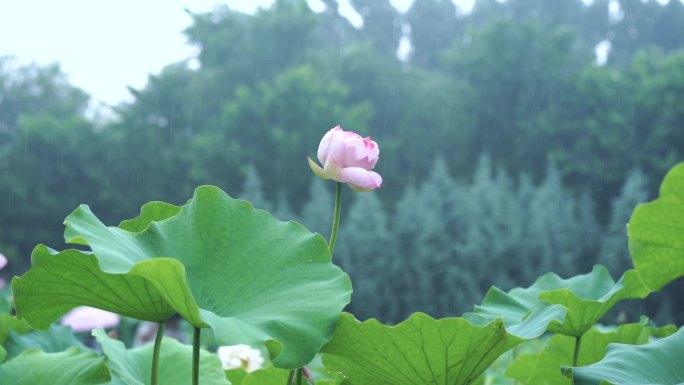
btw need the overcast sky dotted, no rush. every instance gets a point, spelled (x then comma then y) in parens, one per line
(104, 46)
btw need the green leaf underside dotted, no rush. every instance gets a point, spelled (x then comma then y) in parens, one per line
(217, 261)
(60, 281)
(152, 211)
(422, 350)
(656, 363)
(656, 233)
(587, 299)
(55, 340)
(133, 366)
(71, 367)
(544, 367)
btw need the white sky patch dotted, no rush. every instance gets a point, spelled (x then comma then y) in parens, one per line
(404, 50)
(250, 6)
(316, 5)
(345, 9)
(104, 47)
(602, 50)
(615, 11)
(401, 5)
(465, 6)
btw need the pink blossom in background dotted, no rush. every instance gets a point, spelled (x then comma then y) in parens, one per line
(85, 319)
(3, 263)
(348, 158)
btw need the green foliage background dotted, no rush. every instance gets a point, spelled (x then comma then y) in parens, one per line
(507, 152)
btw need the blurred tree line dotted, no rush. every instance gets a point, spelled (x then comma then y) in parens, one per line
(506, 151)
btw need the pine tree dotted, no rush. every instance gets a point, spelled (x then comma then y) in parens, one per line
(614, 253)
(365, 251)
(252, 190)
(426, 225)
(283, 210)
(552, 234)
(406, 284)
(317, 213)
(589, 233)
(493, 229)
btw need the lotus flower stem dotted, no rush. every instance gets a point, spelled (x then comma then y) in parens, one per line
(295, 377)
(298, 377)
(578, 340)
(336, 217)
(155, 353)
(514, 356)
(195, 356)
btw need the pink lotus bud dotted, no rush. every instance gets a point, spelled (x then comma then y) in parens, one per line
(85, 319)
(348, 158)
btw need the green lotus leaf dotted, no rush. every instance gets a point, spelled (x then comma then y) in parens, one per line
(133, 366)
(656, 363)
(55, 340)
(656, 233)
(60, 281)
(586, 297)
(337, 380)
(235, 376)
(323, 376)
(216, 261)
(423, 350)
(9, 323)
(269, 376)
(71, 367)
(544, 367)
(150, 212)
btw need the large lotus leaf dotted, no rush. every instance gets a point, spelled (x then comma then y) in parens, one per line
(586, 297)
(55, 340)
(217, 261)
(422, 350)
(60, 281)
(269, 375)
(656, 363)
(336, 380)
(134, 366)
(323, 376)
(71, 367)
(150, 212)
(9, 323)
(656, 233)
(543, 368)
